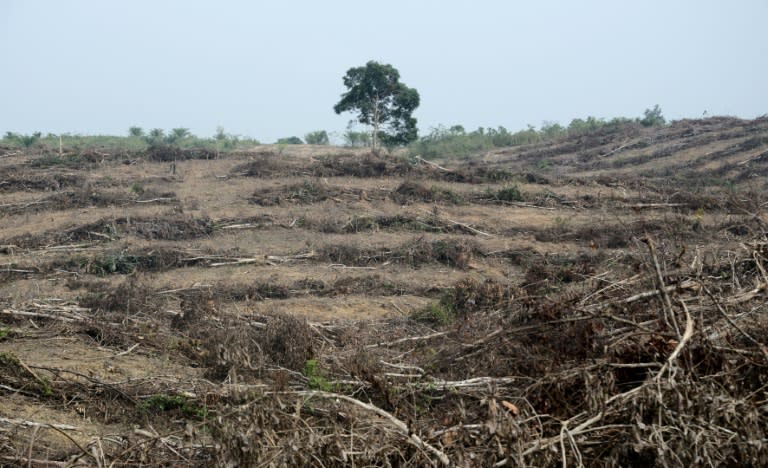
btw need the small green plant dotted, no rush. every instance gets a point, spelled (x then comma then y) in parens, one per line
(9, 359)
(441, 193)
(437, 313)
(162, 402)
(118, 263)
(5, 333)
(137, 188)
(317, 379)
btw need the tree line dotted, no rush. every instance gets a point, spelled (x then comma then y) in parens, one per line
(380, 102)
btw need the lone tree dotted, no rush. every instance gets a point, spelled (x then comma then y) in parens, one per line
(381, 101)
(653, 117)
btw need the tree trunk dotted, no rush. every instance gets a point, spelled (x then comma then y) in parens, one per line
(376, 113)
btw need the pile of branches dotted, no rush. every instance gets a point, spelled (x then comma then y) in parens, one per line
(651, 369)
(648, 366)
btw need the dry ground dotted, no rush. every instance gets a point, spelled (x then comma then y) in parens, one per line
(317, 305)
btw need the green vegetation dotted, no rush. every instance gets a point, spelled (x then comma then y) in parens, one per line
(117, 263)
(137, 139)
(456, 142)
(27, 141)
(435, 314)
(319, 137)
(375, 93)
(316, 378)
(136, 131)
(653, 117)
(357, 139)
(137, 188)
(293, 140)
(510, 193)
(389, 115)
(161, 403)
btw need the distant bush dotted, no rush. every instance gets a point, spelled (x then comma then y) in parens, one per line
(294, 140)
(135, 131)
(653, 117)
(319, 137)
(456, 142)
(27, 141)
(357, 139)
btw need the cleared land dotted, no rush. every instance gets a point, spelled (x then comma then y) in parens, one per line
(599, 298)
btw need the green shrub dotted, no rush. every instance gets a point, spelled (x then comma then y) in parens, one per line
(161, 403)
(510, 193)
(117, 263)
(293, 140)
(319, 137)
(653, 117)
(137, 188)
(317, 379)
(435, 314)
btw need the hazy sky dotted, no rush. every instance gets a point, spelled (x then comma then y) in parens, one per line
(274, 69)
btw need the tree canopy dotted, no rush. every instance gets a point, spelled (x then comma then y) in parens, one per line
(375, 93)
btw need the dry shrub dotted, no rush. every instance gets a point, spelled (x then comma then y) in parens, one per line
(82, 197)
(469, 295)
(168, 153)
(314, 433)
(370, 165)
(267, 164)
(287, 341)
(180, 228)
(307, 192)
(250, 292)
(371, 285)
(543, 275)
(131, 296)
(29, 182)
(195, 309)
(456, 253)
(15, 374)
(410, 191)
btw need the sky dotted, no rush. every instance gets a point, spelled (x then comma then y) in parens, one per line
(274, 69)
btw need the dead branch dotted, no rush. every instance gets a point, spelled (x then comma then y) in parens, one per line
(669, 313)
(154, 200)
(404, 429)
(430, 163)
(408, 339)
(26, 423)
(34, 462)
